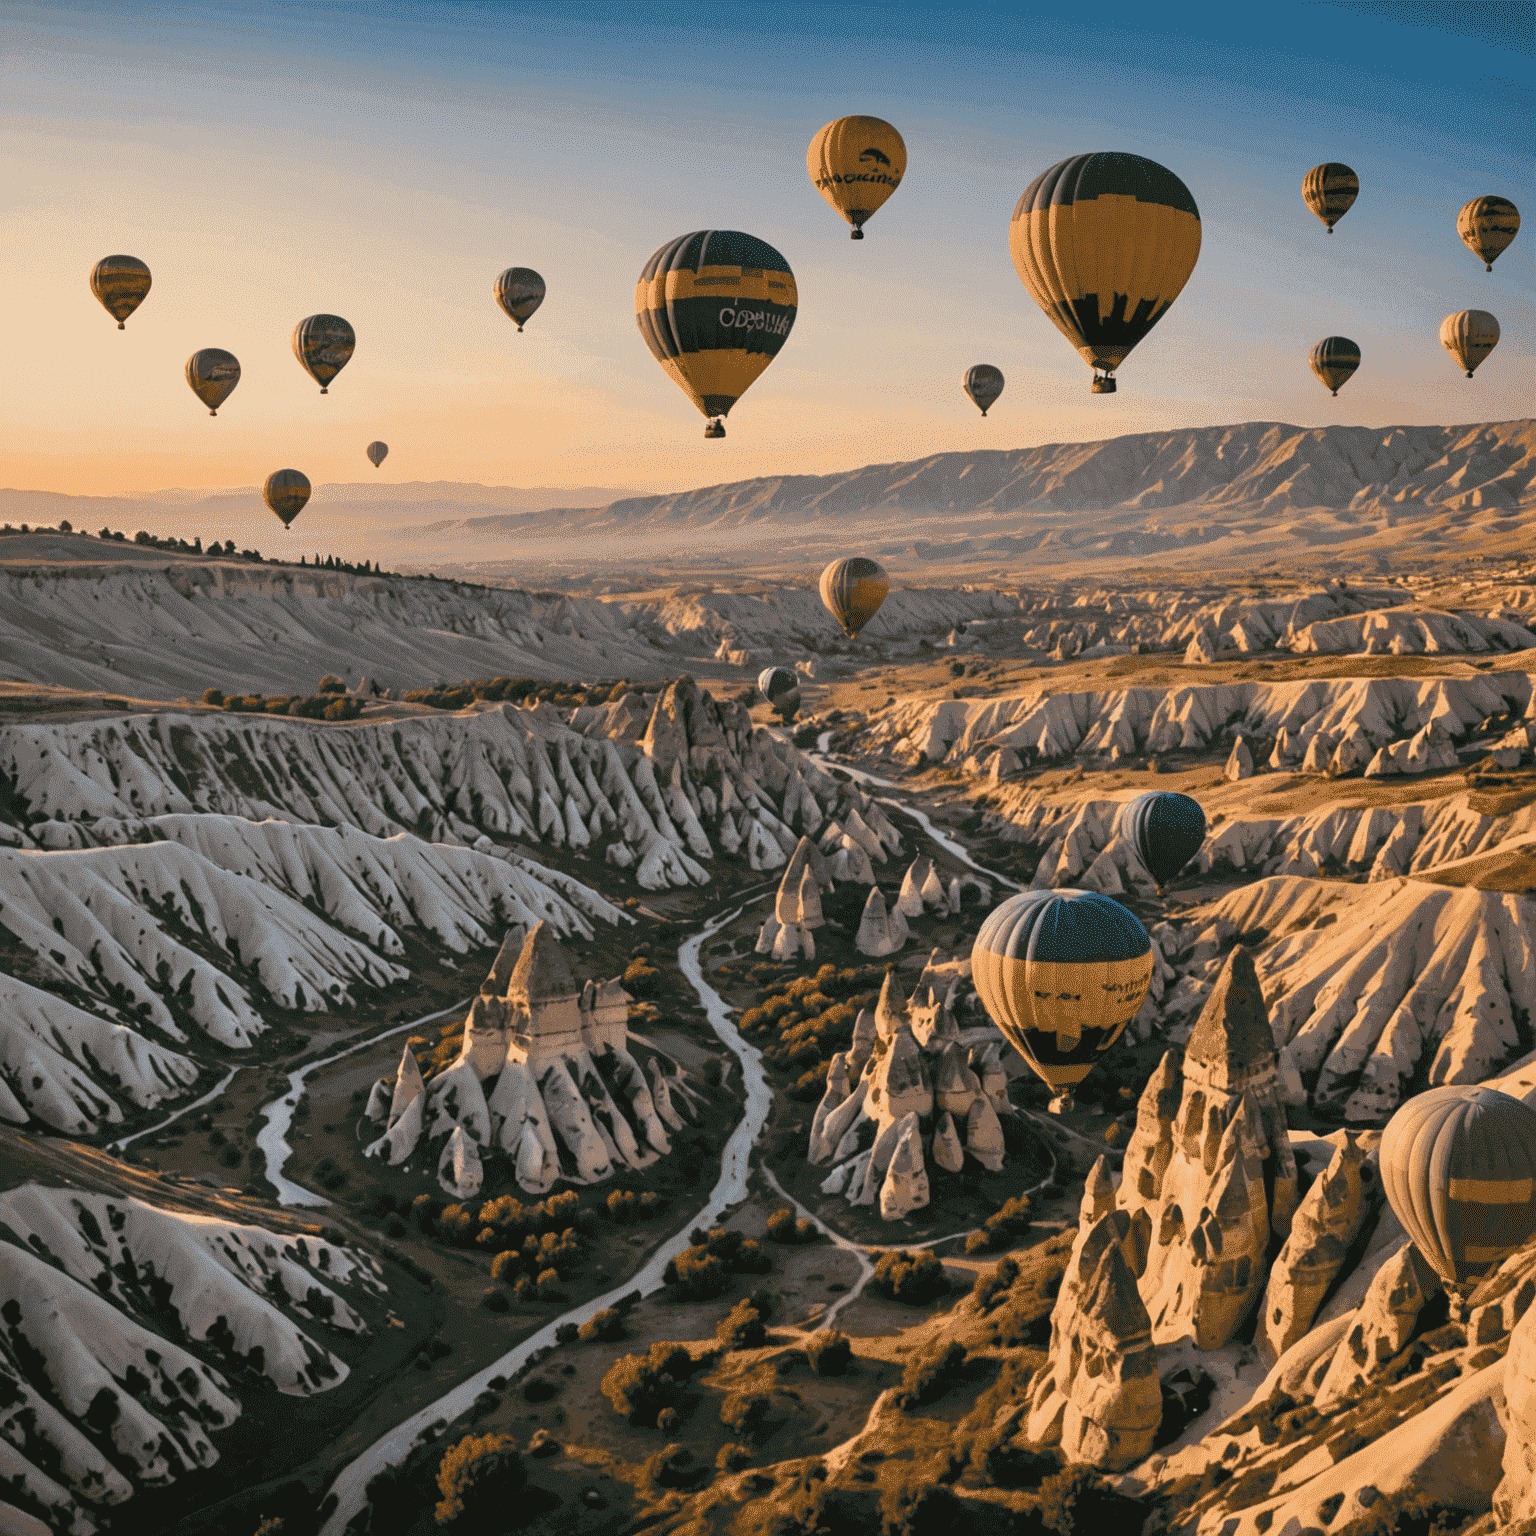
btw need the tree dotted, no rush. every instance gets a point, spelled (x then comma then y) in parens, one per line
(477, 1478)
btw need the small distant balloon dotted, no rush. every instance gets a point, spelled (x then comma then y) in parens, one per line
(1459, 1168)
(1166, 830)
(1330, 191)
(1487, 225)
(377, 453)
(1061, 973)
(853, 589)
(520, 291)
(285, 492)
(1334, 360)
(213, 374)
(984, 384)
(856, 163)
(323, 344)
(1469, 336)
(781, 688)
(120, 283)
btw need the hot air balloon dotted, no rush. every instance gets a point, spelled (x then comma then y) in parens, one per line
(1330, 191)
(714, 308)
(213, 374)
(1061, 973)
(1334, 360)
(120, 283)
(984, 384)
(377, 452)
(1486, 226)
(781, 688)
(853, 589)
(323, 344)
(285, 492)
(856, 163)
(1459, 1168)
(1105, 243)
(1469, 336)
(520, 291)
(1166, 830)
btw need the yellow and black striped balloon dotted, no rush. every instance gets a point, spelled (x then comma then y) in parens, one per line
(1487, 225)
(856, 163)
(1330, 190)
(285, 493)
(120, 283)
(714, 307)
(324, 345)
(1334, 360)
(1469, 336)
(1105, 243)
(853, 589)
(1061, 973)
(213, 373)
(1459, 1169)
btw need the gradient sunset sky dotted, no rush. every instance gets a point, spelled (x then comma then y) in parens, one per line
(385, 162)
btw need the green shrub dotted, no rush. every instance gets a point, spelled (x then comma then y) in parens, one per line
(478, 1478)
(213, 697)
(641, 978)
(330, 683)
(1009, 1221)
(705, 1269)
(828, 1354)
(732, 1457)
(989, 1282)
(913, 1278)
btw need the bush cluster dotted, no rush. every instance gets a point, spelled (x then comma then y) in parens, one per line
(828, 1354)
(810, 1019)
(314, 706)
(913, 1278)
(745, 1414)
(992, 1282)
(477, 1478)
(746, 1325)
(1009, 1221)
(641, 1387)
(927, 1377)
(705, 1269)
(518, 690)
(607, 1325)
(783, 1228)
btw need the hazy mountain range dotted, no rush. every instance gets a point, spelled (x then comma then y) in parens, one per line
(1253, 492)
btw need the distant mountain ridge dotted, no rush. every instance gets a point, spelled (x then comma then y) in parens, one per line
(1251, 467)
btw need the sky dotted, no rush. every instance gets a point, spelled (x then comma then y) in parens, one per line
(384, 162)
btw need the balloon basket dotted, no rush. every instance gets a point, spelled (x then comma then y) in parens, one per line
(716, 428)
(858, 234)
(1103, 384)
(1062, 1104)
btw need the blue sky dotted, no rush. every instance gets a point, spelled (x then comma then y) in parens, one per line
(385, 162)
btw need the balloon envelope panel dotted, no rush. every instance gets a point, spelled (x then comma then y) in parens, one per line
(853, 589)
(1459, 1168)
(715, 307)
(1061, 973)
(1166, 829)
(1105, 243)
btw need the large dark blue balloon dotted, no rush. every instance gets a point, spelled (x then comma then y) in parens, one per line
(1166, 829)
